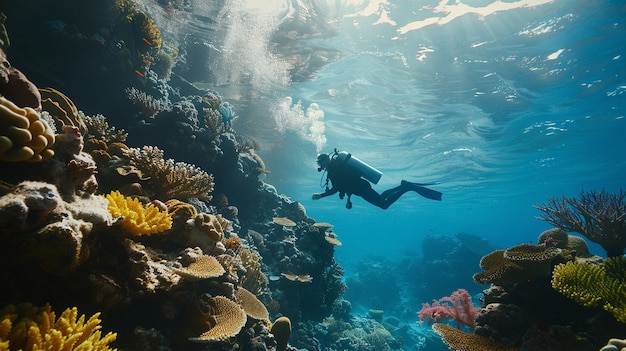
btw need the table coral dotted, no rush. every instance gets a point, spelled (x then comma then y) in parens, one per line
(253, 307)
(28, 328)
(225, 320)
(592, 285)
(203, 267)
(138, 220)
(24, 136)
(517, 264)
(462, 341)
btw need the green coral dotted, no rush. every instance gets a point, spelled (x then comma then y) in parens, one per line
(592, 285)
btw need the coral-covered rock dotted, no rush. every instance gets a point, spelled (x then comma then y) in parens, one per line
(15, 86)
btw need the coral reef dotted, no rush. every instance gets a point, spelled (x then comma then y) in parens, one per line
(29, 328)
(522, 309)
(598, 215)
(65, 241)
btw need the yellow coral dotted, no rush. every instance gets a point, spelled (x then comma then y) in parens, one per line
(28, 328)
(137, 219)
(592, 285)
(24, 136)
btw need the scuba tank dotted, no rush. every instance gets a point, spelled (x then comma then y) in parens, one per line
(367, 172)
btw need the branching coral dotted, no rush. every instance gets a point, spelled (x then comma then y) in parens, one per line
(254, 279)
(599, 216)
(170, 179)
(99, 128)
(593, 285)
(138, 220)
(148, 103)
(28, 328)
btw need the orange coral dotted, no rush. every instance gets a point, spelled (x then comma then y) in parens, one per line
(26, 327)
(138, 220)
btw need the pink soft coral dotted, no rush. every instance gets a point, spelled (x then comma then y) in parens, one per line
(457, 306)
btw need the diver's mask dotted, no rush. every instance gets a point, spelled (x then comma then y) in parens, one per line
(322, 161)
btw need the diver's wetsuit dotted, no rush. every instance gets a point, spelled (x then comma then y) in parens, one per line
(347, 180)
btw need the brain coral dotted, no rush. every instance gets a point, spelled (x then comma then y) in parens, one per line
(28, 328)
(138, 220)
(24, 136)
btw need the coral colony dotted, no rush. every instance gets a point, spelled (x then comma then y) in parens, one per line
(165, 238)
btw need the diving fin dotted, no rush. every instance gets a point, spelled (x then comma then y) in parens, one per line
(425, 192)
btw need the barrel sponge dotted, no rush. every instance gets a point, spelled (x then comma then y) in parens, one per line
(281, 328)
(26, 327)
(592, 285)
(137, 219)
(24, 136)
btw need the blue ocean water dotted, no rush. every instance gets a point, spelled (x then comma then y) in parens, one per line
(504, 103)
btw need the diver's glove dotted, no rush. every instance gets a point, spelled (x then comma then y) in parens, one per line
(316, 196)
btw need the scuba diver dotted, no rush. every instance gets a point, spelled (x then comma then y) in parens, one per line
(351, 176)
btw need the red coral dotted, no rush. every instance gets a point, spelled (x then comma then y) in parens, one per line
(457, 306)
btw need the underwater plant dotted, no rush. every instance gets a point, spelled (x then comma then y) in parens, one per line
(599, 216)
